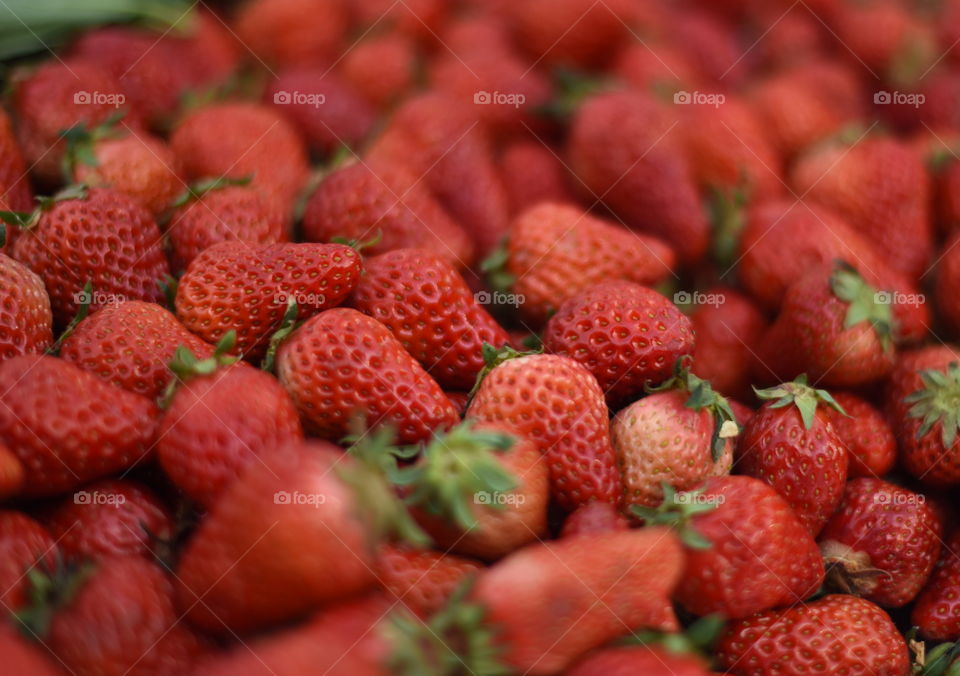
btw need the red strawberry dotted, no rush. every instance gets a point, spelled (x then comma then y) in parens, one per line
(110, 518)
(381, 68)
(130, 344)
(428, 307)
(556, 403)
(947, 283)
(283, 32)
(25, 316)
(935, 612)
(621, 150)
(835, 633)
(866, 434)
(531, 174)
(67, 426)
(14, 185)
(882, 542)
(421, 579)
(628, 336)
(23, 656)
(25, 546)
(361, 200)
(593, 517)
(342, 363)
(68, 245)
(657, 67)
(248, 288)
(791, 445)
(711, 44)
(638, 659)
(556, 251)
(12, 474)
(419, 19)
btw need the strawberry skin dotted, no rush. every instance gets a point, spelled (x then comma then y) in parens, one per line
(421, 579)
(23, 656)
(24, 545)
(556, 403)
(628, 336)
(292, 31)
(638, 659)
(936, 610)
(834, 634)
(531, 174)
(246, 288)
(130, 344)
(380, 67)
(14, 186)
(96, 428)
(866, 434)
(947, 282)
(25, 316)
(342, 361)
(592, 518)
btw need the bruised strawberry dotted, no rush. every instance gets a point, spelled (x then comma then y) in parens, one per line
(935, 612)
(638, 659)
(531, 174)
(292, 32)
(422, 579)
(25, 546)
(866, 434)
(25, 315)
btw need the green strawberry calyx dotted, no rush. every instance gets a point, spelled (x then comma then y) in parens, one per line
(359, 244)
(49, 588)
(196, 191)
(942, 660)
(288, 324)
(81, 142)
(798, 393)
(698, 638)
(677, 511)
(185, 364)
(727, 219)
(938, 402)
(492, 358)
(26, 220)
(865, 303)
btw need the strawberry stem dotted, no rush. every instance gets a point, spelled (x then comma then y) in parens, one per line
(801, 395)
(677, 511)
(865, 303)
(938, 402)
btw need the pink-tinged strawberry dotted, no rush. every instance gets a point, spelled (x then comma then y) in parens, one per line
(14, 185)
(113, 517)
(555, 402)
(628, 336)
(836, 633)
(866, 434)
(936, 613)
(921, 405)
(881, 543)
(99, 237)
(381, 68)
(680, 435)
(23, 656)
(881, 187)
(25, 546)
(947, 283)
(552, 602)
(363, 202)
(638, 659)
(341, 364)
(249, 288)
(531, 174)
(292, 32)
(791, 445)
(556, 251)
(25, 317)
(423, 580)
(129, 344)
(221, 417)
(747, 551)
(67, 426)
(620, 147)
(592, 518)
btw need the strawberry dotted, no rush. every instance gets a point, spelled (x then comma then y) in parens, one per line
(880, 187)
(417, 19)
(920, 406)
(556, 251)
(638, 659)
(218, 423)
(663, 67)
(422, 580)
(341, 363)
(14, 186)
(747, 551)
(836, 633)
(211, 301)
(361, 200)
(621, 150)
(292, 32)
(129, 344)
(866, 434)
(22, 656)
(67, 426)
(935, 611)
(428, 307)
(25, 546)
(25, 316)
(381, 68)
(531, 174)
(12, 473)
(556, 403)
(628, 336)
(881, 543)
(679, 436)
(593, 517)
(947, 281)
(66, 243)
(710, 43)
(110, 518)
(791, 445)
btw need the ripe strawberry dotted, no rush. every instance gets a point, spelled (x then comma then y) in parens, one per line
(12, 474)
(248, 288)
(836, 633)
(710, 43)
(23, 656)
(920, 400)
(628, 336)
(130, 344)
(664, 67)
(110, 518)
(881, 543)
(621, 150)
(361, 200)
(422, 579)
(592, 518)
(552, 602)
(14, 186)
(531, 174)
(556, 403)
(791, 445)
(866, 434)
(67, 426)
(25, 316)
(556, 251)
(292, 32)
(678, 436)
(341, 363)
(66, 244)
(381, 68)
(418, 19)
(880, 186)
(218, 423)
(638, 659)
(935, 612)
(947, 281)
(25, 546)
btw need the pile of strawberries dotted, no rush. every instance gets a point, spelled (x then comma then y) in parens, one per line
(442, 337)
